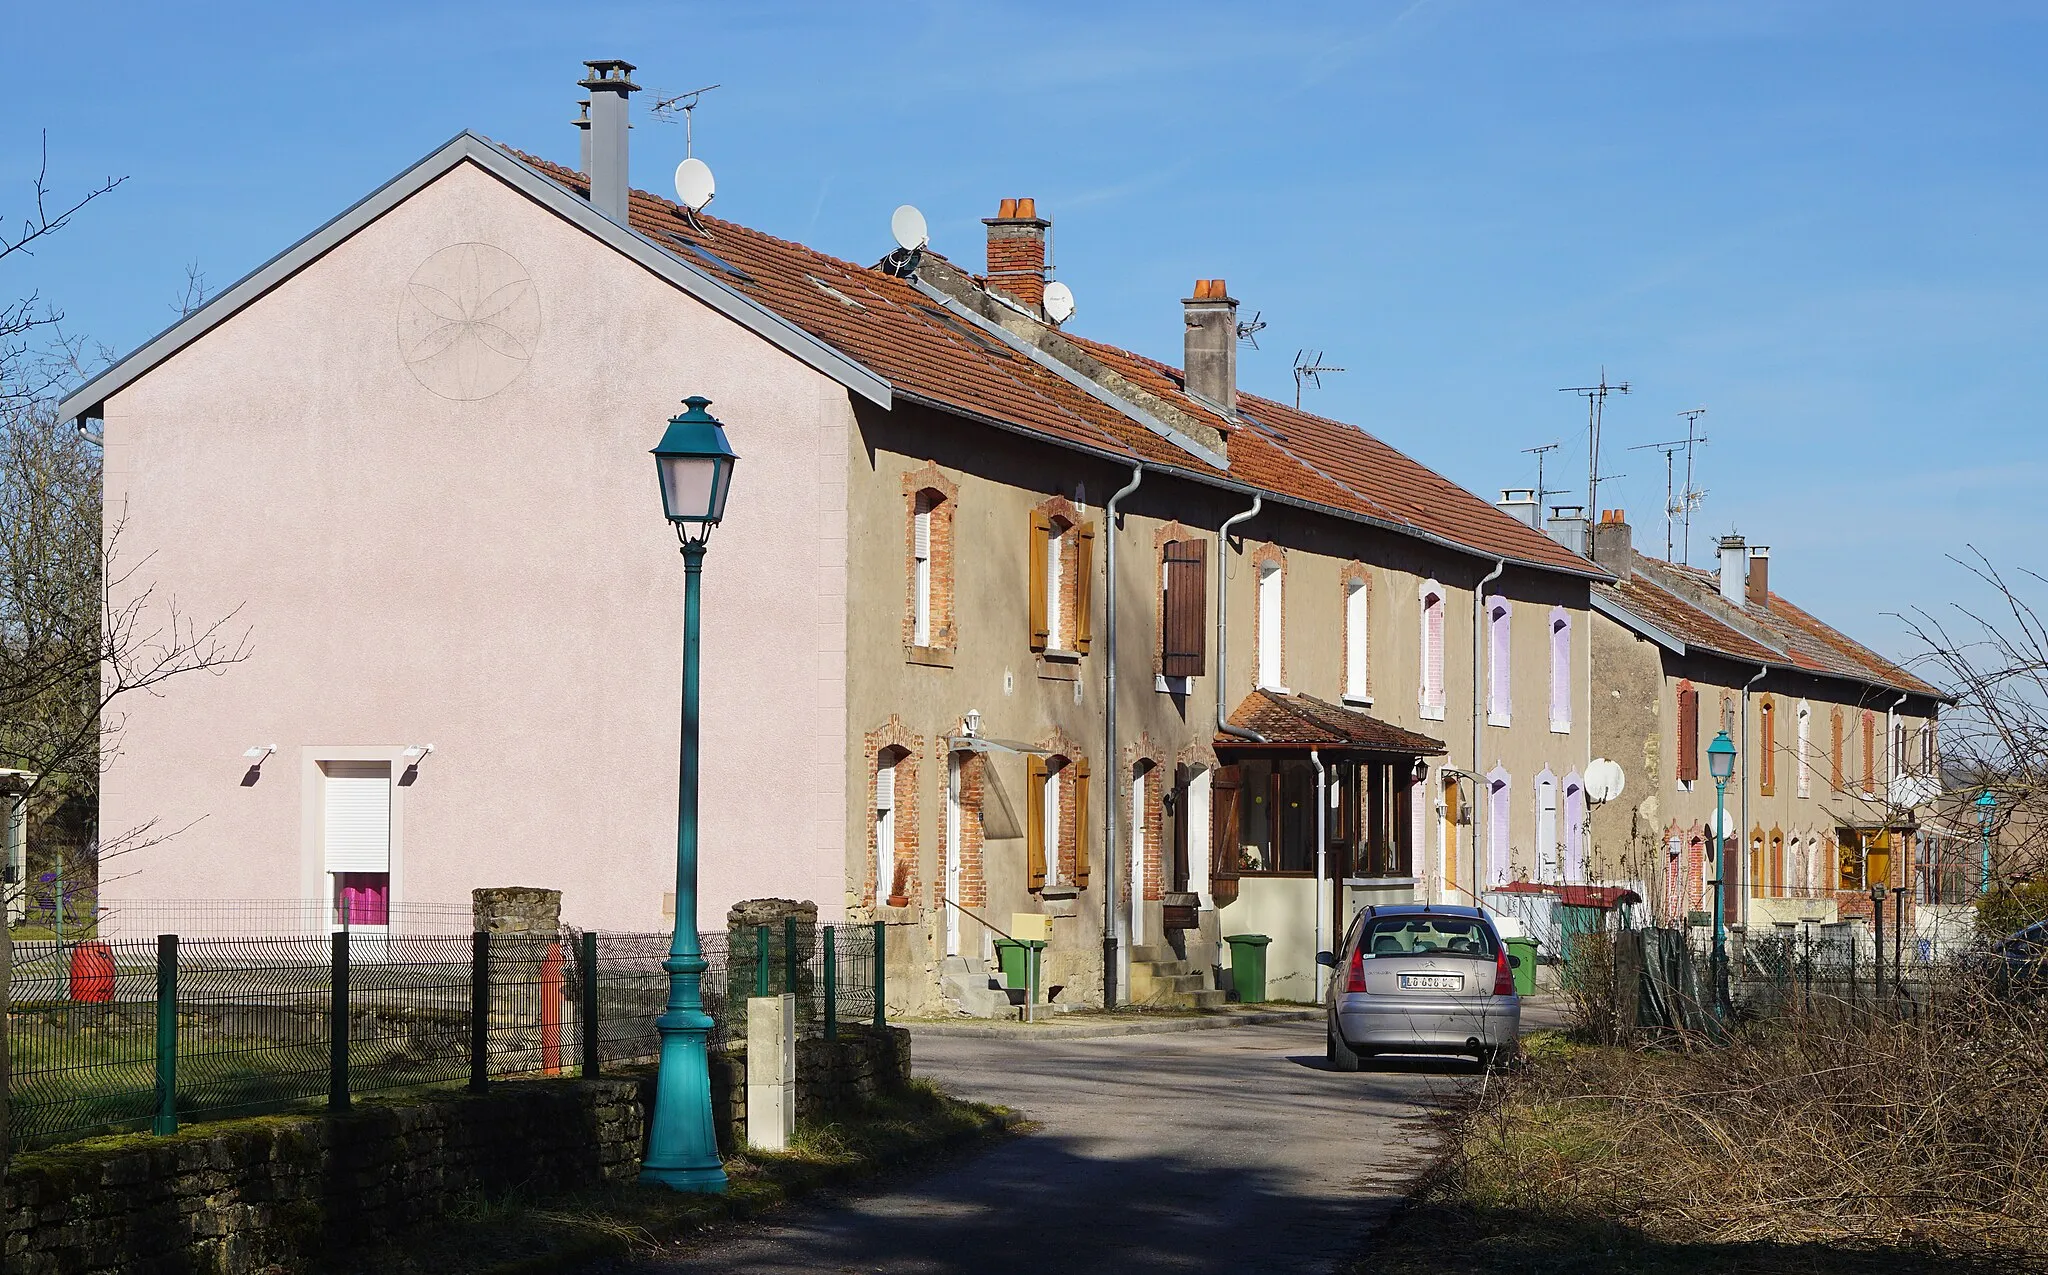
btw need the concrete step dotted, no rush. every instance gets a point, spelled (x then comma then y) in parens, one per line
(966, 983)
(1152, 954)
(1209, 998)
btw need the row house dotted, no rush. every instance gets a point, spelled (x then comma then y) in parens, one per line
(1837, 748)
(1001, 620)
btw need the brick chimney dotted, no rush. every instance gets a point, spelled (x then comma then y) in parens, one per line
(609, 84)
(1759, 587)
(1613, 543)
(1211, 363)
(1734, 557)
(1016, 252)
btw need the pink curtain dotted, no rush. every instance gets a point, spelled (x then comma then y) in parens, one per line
(362, 898)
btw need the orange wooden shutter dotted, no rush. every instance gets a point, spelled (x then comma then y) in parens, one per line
(1041, 537)
(1084, 585)
(1034, 821)
(1081, 822)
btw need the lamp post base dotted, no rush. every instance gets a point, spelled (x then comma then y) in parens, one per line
(682, 1141)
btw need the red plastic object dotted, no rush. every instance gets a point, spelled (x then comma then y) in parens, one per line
(92, 973)
(551, 1010)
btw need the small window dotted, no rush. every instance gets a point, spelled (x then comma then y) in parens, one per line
(1272, 580)
(921, 577)
(1805, 747)
(1356, 599)
(1560, 672)
(1062, 577)
(1432, 688)
(1500, 663)
(1056, 832)
(1767, 747)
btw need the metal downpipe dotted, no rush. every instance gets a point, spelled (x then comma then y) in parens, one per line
(1113, 979)
(1223, 726)
(1478, 720)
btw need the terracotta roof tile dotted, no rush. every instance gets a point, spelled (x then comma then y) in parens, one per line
(929, 354)
(1310, 722)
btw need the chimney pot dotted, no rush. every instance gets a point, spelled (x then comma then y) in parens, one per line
(1567, 526)
(1758, 590)
(1519, 503)
(1016, 253)
(610, 83)
(1211, 350)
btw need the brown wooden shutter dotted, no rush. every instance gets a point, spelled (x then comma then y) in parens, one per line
(1688, 733)
(1224, 835)
(1081, 822)
(1034, 821)
(1185, 609)
(1041, 536)
(1084, 585)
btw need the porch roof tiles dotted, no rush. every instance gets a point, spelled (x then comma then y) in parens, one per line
(1307, 722)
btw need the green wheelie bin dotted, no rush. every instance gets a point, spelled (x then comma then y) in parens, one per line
(1248, 966)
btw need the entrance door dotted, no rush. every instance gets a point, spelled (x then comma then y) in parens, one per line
(1453, 817)
(952, 906)
(1135, 854)
(1179, 875)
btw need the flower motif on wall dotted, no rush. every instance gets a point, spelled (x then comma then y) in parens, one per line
(468, 321)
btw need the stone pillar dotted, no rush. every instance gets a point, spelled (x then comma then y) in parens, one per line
(533, 1016)
(771, 1071)
(742, 921)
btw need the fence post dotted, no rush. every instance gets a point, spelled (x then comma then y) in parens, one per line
(589, 961)
(831, 985)
(881, 964)
(166, 1121)
(337, 1065)
(789, 961)
(760, 960)
(479, 1011)
(1852, 971)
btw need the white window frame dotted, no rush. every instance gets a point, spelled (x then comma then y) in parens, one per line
(315, 881)
(1560, 672)
(1272, 602)
(1357, 641)
(1500, 660)
(921, 583)
(1430, 699)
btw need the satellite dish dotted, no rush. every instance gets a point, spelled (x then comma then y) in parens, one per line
(1059, 302)
(908, 225)
(1604, 780)
(694, 186)
(1727, 826)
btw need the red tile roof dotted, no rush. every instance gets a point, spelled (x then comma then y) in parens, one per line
(936, 357)
(1307, 722)
(1686, 602)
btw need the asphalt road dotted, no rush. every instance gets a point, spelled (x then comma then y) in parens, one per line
(1202, 1151)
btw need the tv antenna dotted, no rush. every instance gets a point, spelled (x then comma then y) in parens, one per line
(1596, 404)
(666, 109)
(1543, 493)
(694, 184)
(1250, 331)
(1691, 496)
(1308, 367)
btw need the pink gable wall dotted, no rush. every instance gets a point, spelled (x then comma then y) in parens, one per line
(491, 576)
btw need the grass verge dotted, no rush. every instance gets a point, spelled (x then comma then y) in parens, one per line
(518, 1234)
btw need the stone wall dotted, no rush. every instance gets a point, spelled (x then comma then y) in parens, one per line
(273, 1192)
(831, 1076)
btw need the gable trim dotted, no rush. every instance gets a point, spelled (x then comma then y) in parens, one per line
(88, 400)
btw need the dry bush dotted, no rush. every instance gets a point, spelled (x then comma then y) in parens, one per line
(1592, 1009)
(1818, 1127)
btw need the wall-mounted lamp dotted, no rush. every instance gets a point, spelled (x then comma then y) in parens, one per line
(256, 757)
(970, 726)
(414, 754)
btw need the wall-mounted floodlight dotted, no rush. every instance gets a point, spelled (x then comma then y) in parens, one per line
(259, 752)
(256, 757)
(413, 752)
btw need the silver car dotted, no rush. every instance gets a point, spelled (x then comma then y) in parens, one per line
(1414, 978)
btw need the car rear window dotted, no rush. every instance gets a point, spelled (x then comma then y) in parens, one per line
(1428, 935)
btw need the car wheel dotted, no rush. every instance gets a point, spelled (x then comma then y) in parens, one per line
(1342, 1056)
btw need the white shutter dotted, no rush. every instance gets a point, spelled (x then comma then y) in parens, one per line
(1270, 584)
(885, 788)
(921, 535)
(358, 816)
(1355, 640)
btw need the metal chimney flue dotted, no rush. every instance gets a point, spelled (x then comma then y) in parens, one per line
(609, 85)
(582, 123)
(1734, 569)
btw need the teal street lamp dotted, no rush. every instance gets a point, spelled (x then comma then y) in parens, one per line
(1987, 806)
(695, 465)
(1721, 765)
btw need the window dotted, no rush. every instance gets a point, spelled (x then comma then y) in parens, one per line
(1757, 867)
(1895, 758)
(1370, 820)
(1560, 671)
(1184, 608)
(1498, 699)
(1357, 599)
(1869, 753)
(1497, 827)
(1776, 867)
(929, 636)
(1767, 742)
(1688, 750)
(1427, 935)
(1547, 866)
(356, 839)
(1574, 830)
(1866, 858)
(1835, 764)
(1432, 663)
(894, 827)
(1272, 579)
(1930, 760)
(1056, 835)
(1062, 567)
(1805, 749)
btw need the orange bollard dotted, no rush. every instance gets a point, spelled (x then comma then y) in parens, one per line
(551, 1011)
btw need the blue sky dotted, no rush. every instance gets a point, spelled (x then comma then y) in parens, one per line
(1822, 221)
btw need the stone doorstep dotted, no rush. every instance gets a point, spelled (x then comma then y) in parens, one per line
(1130, 1026)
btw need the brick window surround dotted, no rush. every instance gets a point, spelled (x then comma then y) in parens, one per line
(1057, 521)
(892, 871)
(928, 491)
(1144, 861)
(1264, 557)
(1354, 596)
(1057, 856)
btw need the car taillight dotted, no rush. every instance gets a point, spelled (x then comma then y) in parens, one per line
(1354, 980)
(1503, 974)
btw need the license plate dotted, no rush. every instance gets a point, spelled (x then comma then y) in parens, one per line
(1433, 982)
